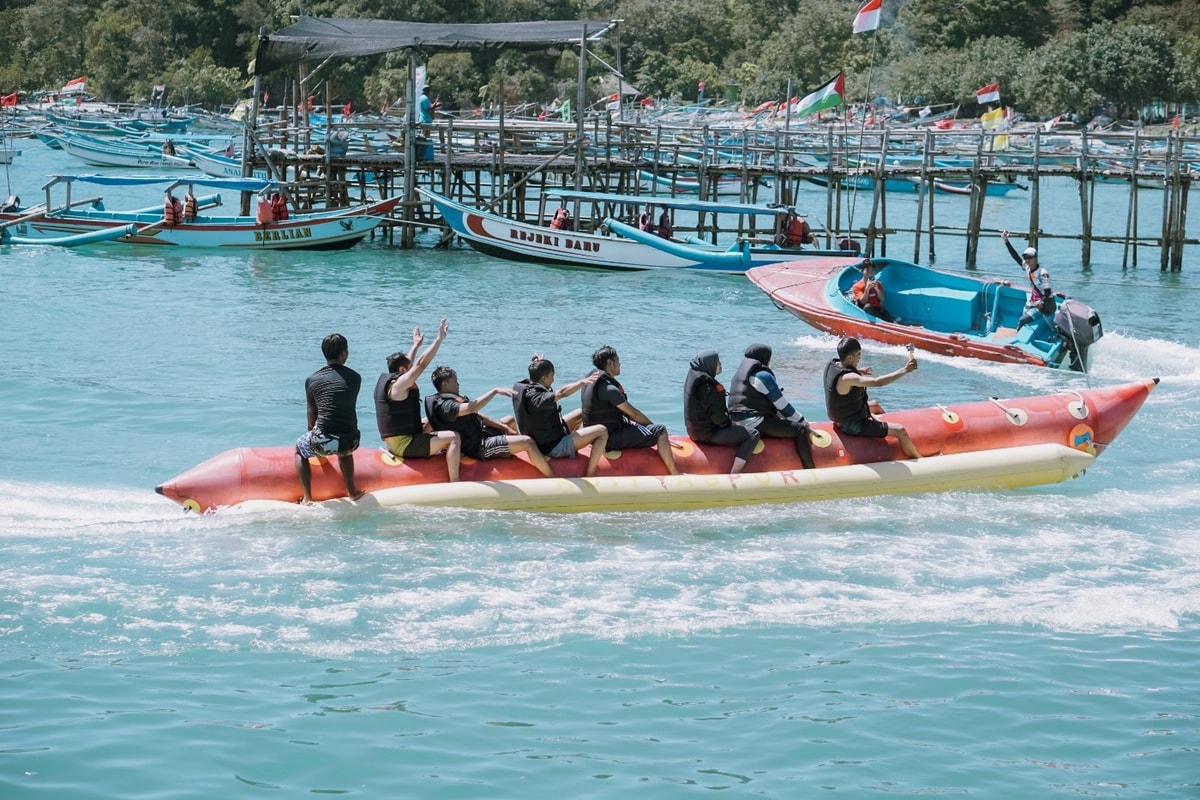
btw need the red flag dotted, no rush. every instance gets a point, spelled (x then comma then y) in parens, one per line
(988, 94)
(867, 18)
(9, 99)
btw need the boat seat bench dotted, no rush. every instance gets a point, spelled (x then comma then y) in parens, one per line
(958, 309)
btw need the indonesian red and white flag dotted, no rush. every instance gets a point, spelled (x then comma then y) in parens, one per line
(77, 86)
(867, 18)
(988, 94)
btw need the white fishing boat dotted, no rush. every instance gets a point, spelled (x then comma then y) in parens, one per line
(318, 230)
(604, 248)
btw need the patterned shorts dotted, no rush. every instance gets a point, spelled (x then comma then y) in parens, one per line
(314, 443)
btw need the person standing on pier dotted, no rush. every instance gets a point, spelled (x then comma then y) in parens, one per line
(426, 105)
(1041, 300)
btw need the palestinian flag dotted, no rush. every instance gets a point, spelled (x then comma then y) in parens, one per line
(829, 95)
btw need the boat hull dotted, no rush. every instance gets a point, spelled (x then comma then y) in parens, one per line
(321, 231)
(955, 315)
(1087, 421)
(520, 241)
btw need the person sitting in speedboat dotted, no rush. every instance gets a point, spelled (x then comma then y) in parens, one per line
(868, 293)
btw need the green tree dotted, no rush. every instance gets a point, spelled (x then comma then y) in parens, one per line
(955, 23)
(54, 40)
(197, 79)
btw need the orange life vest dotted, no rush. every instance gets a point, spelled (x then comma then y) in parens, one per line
(279, 211)
(797, 232)
(171, 211)
(189, 207)
(561, 220)
(868, 296)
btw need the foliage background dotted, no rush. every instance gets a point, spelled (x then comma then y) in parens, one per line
(1050, 56)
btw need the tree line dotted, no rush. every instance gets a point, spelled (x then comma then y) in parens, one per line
(1049, 56)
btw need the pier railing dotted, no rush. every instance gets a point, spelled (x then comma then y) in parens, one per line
(502, 164)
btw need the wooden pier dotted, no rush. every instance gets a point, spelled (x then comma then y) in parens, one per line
(499, 164)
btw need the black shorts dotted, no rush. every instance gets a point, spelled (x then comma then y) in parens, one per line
(491, 447)
(869, 427)
(632, 437)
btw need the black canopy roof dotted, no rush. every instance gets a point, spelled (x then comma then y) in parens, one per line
(316, 39)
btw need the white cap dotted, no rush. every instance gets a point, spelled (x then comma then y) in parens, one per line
(1030, 252)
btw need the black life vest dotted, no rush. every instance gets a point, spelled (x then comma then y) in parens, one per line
(699, 415)
(844, 408)
(597, 410)
(538, 416)
(745, 398)
(469, 427)
(396, 417)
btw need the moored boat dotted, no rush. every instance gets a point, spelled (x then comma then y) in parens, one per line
(528, 241)
(318, 230)
(959, 315)
(992, 443)
(120, 153)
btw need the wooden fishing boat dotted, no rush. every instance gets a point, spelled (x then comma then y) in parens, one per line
(333, 229)
(220, 165)
(958, 315)
(992, 443)
(120, 153)
(530, 241)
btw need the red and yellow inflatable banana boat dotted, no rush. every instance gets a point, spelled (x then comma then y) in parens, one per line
(993, 443)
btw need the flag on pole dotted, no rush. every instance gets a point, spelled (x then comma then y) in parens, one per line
(829, 95)
(988, 94)
(8, 100)
(77, 86)
(867, 18)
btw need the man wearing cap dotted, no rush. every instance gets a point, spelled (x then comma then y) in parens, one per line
(1041, 295)
(846, 398)
(757, 402)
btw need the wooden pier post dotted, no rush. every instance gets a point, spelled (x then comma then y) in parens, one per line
(1086, 180)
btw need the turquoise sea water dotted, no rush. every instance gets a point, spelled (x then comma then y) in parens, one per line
(1032, 643)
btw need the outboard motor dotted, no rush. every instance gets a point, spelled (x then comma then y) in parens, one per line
(11, 203)
(1079, 326)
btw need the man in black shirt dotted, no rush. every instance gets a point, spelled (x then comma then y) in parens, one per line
(482, 437)
(332, 394)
